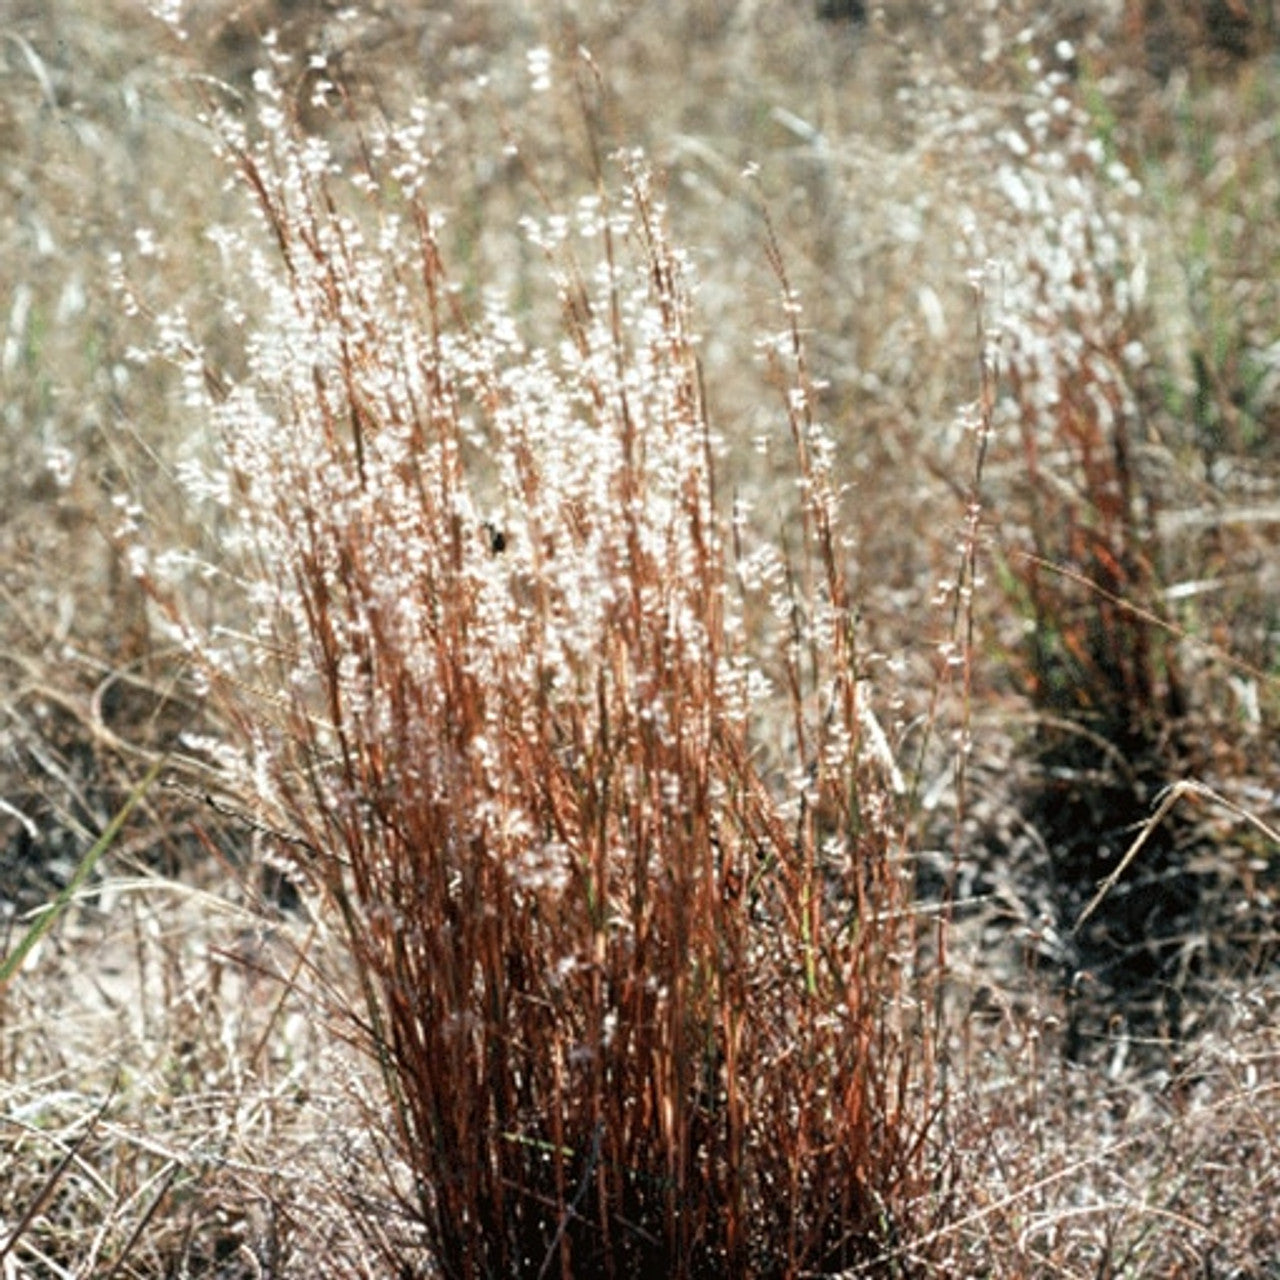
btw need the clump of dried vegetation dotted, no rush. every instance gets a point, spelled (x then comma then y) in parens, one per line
(702, 711)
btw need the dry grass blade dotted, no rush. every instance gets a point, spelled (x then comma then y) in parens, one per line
(51, 1182)
(1177, 791)
(164, 1180)
(1148, 617)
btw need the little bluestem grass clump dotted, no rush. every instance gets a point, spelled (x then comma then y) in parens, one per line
(502, 674)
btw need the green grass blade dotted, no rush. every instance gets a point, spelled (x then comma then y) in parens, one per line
(46, 916)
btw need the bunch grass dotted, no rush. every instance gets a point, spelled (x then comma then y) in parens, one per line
(638, 1007)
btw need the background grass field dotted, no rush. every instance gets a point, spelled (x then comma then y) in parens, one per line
(668, 551)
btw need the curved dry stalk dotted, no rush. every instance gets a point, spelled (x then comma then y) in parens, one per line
(1171, 796)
